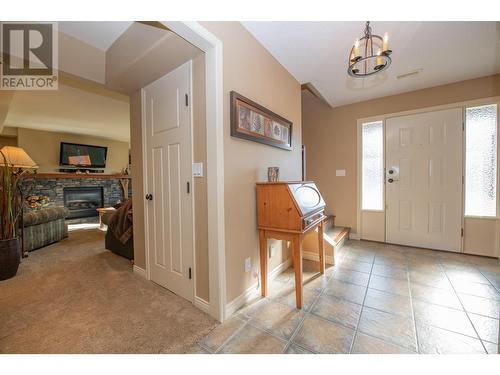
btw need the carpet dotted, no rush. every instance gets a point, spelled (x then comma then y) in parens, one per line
(76, 297)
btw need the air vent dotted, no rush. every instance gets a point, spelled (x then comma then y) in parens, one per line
(409, 74)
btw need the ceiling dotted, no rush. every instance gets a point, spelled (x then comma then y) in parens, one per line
(76, 108)
(100, 34)
(443, 52)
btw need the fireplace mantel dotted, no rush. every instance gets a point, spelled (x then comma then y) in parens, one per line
(76, 175)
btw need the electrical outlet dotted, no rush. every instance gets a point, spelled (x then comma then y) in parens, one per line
(272, 250)
(248, 264)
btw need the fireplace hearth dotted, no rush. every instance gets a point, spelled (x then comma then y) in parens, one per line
(83, 201)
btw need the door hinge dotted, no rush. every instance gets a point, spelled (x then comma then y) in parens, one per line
(188, 188)
(190, 276)
(187, 99)
(462, 232)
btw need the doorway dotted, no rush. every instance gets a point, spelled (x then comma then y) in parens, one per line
(423, 194)
(169, 207)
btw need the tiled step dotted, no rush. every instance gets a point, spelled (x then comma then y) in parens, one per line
(333, 237)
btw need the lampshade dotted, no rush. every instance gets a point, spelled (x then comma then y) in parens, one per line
(16, 157)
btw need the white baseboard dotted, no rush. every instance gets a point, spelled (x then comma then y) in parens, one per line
(354, 236)
(253, 292)
(202, 304)
(140, 271)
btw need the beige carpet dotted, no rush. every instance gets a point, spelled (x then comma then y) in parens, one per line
(76, 297)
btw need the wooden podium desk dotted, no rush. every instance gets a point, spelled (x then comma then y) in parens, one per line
(286, 211)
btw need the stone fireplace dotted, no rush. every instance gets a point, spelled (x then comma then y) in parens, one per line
(81, 194)
(83, 201)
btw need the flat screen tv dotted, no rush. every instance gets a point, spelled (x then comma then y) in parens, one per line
(85, 156)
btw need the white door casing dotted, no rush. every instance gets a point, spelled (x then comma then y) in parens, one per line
(169, 209)
(424, 200)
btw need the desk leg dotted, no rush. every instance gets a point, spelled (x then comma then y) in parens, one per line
(297, 261)
(263, 262)
(321, 248)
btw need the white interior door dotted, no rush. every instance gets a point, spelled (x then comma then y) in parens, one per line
(424, 180)
(169, 206)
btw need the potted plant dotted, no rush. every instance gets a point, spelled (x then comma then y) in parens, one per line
(10, 255)
(14, 162)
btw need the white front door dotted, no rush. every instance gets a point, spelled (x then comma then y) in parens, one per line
(169, 205)
(423, 166)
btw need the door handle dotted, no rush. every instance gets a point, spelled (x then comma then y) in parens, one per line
(149, 197)
(390, 180)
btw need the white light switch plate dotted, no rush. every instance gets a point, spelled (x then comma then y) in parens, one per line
(340, 173)
(197, 169)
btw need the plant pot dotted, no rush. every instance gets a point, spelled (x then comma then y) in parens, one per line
(10, 257)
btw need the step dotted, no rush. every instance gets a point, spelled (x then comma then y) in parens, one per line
(333, 237)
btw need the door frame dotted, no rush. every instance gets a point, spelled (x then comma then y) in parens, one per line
(199, 36)
(384, 117)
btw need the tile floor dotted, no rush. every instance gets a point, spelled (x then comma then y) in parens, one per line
(377, 299)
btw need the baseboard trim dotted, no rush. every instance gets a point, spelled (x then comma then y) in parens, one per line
(202, 304)
(354, 236)
(253, 291)
(140, 271)
(309, 255)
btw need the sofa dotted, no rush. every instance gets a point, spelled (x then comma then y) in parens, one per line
(114, 244)
(43, 227)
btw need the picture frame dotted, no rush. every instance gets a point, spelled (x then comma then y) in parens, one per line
(253, 122)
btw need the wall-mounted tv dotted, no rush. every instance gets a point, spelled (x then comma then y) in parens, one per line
(83, 156)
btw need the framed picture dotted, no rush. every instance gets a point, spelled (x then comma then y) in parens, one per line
(253, 122)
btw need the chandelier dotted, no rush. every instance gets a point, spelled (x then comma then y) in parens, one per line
(369, 54)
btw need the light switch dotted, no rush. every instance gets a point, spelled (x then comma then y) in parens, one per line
(197, 169)
(340, 173)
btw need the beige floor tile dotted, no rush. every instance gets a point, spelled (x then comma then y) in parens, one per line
(355, 265)
(351, 276)
(391, 261)
(251, 340)
(480, 305)
(364, 344)
(389, 271)
(433, 340)
(430, 269)
(295, 349)
(337, 310)
(321, 336)
(387, 284)
(472, 276)
(215, 339)
(317, 283)
(476, 289)
(308, 298)
(279, 319)
(388, 302)
(443, 317)
(432, 280)
(391, 328)
(349, 292)
(436, 296)
(487, 328)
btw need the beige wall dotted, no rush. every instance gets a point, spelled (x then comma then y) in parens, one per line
(330, 136)
(253, 72)
(8, 141)
(44, 147)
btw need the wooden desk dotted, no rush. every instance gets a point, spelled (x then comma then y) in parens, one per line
(286, 211)
(296, 241)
